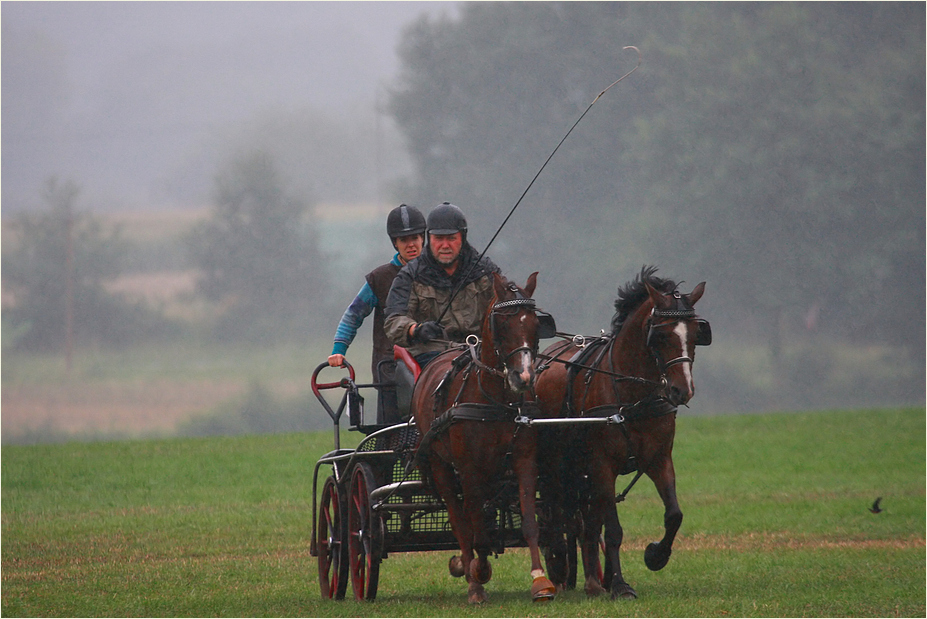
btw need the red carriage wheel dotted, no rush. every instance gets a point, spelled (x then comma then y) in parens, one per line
(365, 536)
(333, 551)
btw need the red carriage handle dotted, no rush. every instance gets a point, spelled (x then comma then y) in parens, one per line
(341, 383)
(346, 383)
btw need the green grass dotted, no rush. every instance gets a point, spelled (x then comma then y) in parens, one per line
(776, 524)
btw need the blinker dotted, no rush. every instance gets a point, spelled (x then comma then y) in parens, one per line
(547, 328)
(702, 333)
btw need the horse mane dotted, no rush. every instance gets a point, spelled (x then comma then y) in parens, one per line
(633, 294)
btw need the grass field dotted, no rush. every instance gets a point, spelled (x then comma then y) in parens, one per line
(147, 391)
(776, 524)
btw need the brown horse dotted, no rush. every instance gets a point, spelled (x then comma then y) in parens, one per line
(634, 379)
(466, 415)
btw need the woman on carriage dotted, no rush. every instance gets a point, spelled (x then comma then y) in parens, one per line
(405, 226)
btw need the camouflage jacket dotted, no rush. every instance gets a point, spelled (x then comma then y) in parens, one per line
(422, 289)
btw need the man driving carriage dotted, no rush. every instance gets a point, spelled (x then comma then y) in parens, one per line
(405, 226)
(449, 267)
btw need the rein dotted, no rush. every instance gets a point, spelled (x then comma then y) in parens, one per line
(598, 370)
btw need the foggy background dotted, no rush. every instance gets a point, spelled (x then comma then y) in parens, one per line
(223, 171)
(140, 100)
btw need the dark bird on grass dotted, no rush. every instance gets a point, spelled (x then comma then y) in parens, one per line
(875, 509)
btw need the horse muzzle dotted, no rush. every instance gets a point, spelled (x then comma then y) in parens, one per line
(678, 396)
(678, 387)
(520, 372)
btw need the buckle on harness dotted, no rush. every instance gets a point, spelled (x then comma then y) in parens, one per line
(472, 342)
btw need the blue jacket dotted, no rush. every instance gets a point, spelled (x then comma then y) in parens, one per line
(362, 306)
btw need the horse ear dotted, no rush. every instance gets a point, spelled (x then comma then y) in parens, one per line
(696, 294)
(498, 284)
(532, 282)
(659, 299)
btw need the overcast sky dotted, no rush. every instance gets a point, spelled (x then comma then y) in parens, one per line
(117, 94)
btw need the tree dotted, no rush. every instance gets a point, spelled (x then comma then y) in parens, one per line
(35, 273)
(775, 150)
(790, 158)
(257, 254)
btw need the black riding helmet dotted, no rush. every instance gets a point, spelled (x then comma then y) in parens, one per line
(447, 219)
(404, 220)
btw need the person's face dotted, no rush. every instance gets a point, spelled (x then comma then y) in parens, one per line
(409, 247)
(446, 247)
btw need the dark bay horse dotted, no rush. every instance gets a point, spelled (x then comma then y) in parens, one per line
(469, 436)
(635, 378)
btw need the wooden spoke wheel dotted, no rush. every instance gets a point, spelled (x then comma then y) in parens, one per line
(365, 535)
(332, 546)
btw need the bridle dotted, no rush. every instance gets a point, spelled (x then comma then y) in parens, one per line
(497, 309)
(671, 317)
(510, 307)
(658, 319)
(657, 315)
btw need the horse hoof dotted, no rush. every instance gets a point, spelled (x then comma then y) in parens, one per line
(655, 558)
(455, 566)
(624, 592)
(542, 590)
(480, 576)
(477, 594)
(593, 588)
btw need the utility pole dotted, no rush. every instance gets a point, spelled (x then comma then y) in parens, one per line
(61, 197)
(68, 287)
(378, 148)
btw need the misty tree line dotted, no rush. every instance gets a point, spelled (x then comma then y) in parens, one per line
(775, 150)
(258, 260)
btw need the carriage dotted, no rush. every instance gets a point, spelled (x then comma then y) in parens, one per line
(373, 502)
(486, 489)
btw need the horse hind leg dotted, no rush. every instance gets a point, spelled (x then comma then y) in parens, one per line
(601, 511)
(614, 535)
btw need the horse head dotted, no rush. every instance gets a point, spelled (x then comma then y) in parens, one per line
(510, 332)
(671, 334)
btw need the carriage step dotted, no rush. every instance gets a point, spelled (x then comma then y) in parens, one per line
(410, 485)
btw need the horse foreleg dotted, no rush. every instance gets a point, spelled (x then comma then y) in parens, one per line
(526, 471)
(477, 568)
(663, 475)
(444, 480)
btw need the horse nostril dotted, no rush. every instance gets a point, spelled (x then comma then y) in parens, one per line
(679, 396)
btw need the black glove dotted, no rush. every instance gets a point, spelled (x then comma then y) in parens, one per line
(427, 331)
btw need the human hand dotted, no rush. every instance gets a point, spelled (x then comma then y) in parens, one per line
(427, 331)
(336, 361)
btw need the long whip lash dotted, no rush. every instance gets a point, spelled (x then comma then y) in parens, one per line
(546, 161)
